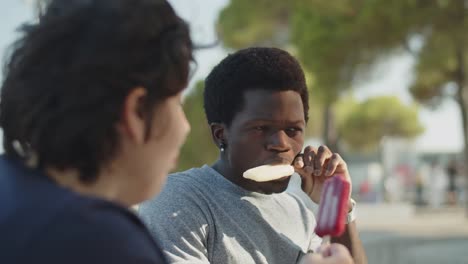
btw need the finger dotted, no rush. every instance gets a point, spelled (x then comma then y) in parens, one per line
(307, 169)
(309, 155)
(307, 182)
(323, 153)
(333, 163)
(298, 162)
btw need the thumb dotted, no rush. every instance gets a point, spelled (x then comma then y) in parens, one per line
(298, 161)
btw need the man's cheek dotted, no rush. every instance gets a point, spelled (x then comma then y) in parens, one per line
(298, 146)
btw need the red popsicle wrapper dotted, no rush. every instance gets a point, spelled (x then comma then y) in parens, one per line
(333, 208)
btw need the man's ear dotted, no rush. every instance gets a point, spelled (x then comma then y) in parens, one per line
(219, 134)
(132, 120)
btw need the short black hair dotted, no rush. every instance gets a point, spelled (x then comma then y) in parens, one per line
(265, 68)
(67, 77)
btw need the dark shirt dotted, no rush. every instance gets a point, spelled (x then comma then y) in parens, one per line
(41, 222)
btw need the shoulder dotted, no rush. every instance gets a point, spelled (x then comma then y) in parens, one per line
(183, 201)
(191, 177)
(182, 189)
(96, 231)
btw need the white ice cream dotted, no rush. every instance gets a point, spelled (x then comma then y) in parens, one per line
(268, 172)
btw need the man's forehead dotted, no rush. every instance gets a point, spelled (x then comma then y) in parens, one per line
(259, 98)
(272, 105)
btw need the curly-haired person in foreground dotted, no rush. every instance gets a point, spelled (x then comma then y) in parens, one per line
(256, 103)
(92, 123)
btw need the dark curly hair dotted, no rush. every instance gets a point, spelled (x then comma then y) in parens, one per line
(67, 77)
(252, 68)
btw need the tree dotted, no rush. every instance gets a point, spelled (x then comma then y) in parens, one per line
(440, 26)
(245, 23)
(323, 49)
(364, 125)
(199, 148)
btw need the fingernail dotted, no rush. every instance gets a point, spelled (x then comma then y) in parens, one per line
(299, 163)
(308, 169)
(328, 173)
(317, 172)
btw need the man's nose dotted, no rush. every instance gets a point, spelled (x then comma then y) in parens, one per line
(278, 141)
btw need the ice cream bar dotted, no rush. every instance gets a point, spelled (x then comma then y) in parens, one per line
(333, 207)
(268, 172)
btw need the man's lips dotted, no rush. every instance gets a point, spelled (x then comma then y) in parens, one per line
(278, 161)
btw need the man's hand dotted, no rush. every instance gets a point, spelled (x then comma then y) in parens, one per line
(329, 254)
(317, 165)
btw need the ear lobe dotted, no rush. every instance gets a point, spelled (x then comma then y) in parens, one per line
(218, 133)
(132, 116)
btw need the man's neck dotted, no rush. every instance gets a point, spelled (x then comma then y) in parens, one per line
(223, 168)
(104, 187)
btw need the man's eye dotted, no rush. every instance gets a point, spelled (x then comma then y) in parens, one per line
(260, 128)
(293, 131)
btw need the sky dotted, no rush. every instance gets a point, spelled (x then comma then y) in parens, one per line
(392, 77)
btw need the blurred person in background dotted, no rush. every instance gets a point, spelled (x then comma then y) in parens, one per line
(437, 185)
(256, 103)
(365, 190)
(452, 173)
(420, 184)
(92, 123)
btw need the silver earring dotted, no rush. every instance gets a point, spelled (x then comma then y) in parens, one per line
(222, 147)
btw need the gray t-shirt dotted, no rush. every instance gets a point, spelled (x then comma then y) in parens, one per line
(201, 217)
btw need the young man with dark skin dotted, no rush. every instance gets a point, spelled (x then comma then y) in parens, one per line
(256, 102)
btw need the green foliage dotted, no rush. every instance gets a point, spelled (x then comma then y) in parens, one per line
(199, 148)
(322, 53)
(247, 23)
(362, 126)
(335, 38)
(436, 68)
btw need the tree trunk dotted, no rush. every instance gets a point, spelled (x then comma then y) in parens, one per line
(329, 128)
(465, 137)
(463, 102)
(462, 98)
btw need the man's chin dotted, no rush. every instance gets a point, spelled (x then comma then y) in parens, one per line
(276, 186)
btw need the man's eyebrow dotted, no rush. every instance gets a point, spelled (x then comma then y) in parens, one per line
(263, 120)
(301, 122)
